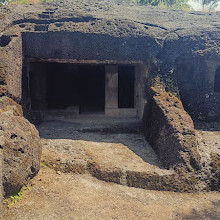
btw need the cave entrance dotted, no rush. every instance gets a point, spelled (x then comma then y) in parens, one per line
(83, 88)
(70, 87)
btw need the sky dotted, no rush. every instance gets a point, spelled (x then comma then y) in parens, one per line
(196, 4)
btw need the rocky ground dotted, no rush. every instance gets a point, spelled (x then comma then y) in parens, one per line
(58, 192)
(209, 144)
(73, 196)
(113, 150)
(100, 134)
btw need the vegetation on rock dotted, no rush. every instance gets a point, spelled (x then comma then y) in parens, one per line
(14, 198)
(209, 5)
(175, 4)
(206, 5)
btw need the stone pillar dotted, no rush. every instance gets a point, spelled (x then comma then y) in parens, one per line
(38, 86)
(111, 87)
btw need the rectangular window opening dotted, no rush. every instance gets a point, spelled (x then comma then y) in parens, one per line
(126, 82)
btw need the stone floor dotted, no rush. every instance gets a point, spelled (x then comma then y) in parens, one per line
(116, 148)
(125, 132)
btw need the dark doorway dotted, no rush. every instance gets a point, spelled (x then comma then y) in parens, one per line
(217, 80)
(69, 85)
(126, 78)
(91, 87)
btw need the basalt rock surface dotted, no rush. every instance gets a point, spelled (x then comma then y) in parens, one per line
(104, 31)
(21, 146)
(215, 183)
(100, 30)
(170, 131)
(8, 104)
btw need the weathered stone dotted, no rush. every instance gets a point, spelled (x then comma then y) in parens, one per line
(215, 182)
(1, 184)
(21, 151)
(170, 131)
(112, 31)
(117, 31)
(7, 104)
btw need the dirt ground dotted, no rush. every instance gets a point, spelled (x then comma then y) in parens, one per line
(62, 196)
(72, 196)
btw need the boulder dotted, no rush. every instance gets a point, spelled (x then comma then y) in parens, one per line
(21, 151)
(8, 104)
(170, 131)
